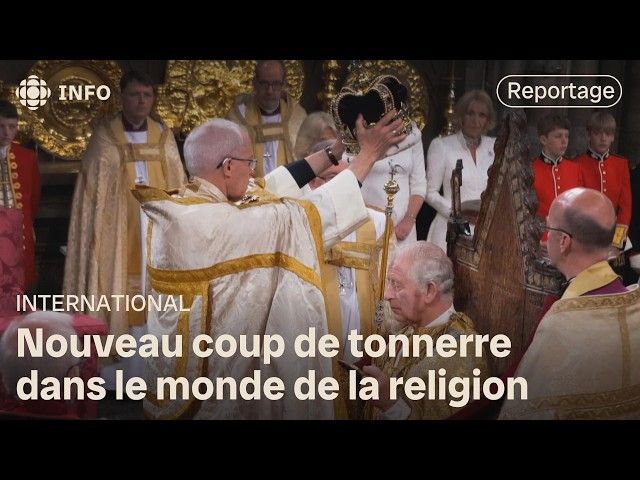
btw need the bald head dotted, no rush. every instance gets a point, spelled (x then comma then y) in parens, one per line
(588, 215)
(267, 67)
(210, 143)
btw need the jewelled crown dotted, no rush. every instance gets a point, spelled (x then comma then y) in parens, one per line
(373, 99)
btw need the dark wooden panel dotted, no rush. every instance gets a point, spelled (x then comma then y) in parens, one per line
(52, 223)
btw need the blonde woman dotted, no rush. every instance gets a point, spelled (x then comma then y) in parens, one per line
(474, 117)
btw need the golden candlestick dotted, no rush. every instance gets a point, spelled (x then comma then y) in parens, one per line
(451, 104)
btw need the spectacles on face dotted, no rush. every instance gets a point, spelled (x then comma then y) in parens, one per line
(264, 84)
(548, 229)
(253, 163)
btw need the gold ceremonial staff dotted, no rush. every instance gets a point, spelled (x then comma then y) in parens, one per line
(390, 188)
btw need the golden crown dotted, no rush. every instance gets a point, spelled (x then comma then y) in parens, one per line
(371, 98)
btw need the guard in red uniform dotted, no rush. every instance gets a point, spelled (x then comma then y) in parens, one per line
(20, 184)
(607, 172)
(553, 172)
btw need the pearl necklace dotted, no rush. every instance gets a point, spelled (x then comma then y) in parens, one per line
(471, 142)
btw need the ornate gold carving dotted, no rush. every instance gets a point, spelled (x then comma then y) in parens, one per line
(331, 76)
(197, 90)
(407, 74)
(63, 127)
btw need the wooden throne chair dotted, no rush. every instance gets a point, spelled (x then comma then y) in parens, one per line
(501, 279)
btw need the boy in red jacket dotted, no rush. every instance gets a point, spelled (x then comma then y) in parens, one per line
(607, 172)
(554, 173)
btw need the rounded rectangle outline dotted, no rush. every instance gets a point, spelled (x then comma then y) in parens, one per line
(559, 106)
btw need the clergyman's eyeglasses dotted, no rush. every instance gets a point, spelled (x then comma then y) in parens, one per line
(264, 84)
(252, 162)
(548, 229)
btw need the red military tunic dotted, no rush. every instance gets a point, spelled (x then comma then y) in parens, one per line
(609, 174)
(553, 178)
(26, 183)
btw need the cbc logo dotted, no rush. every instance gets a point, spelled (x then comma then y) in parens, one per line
(33, 92)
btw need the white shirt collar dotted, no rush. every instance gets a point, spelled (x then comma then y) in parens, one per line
(444, 318)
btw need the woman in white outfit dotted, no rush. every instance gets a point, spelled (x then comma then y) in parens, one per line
(408, 160)
(474, 116)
